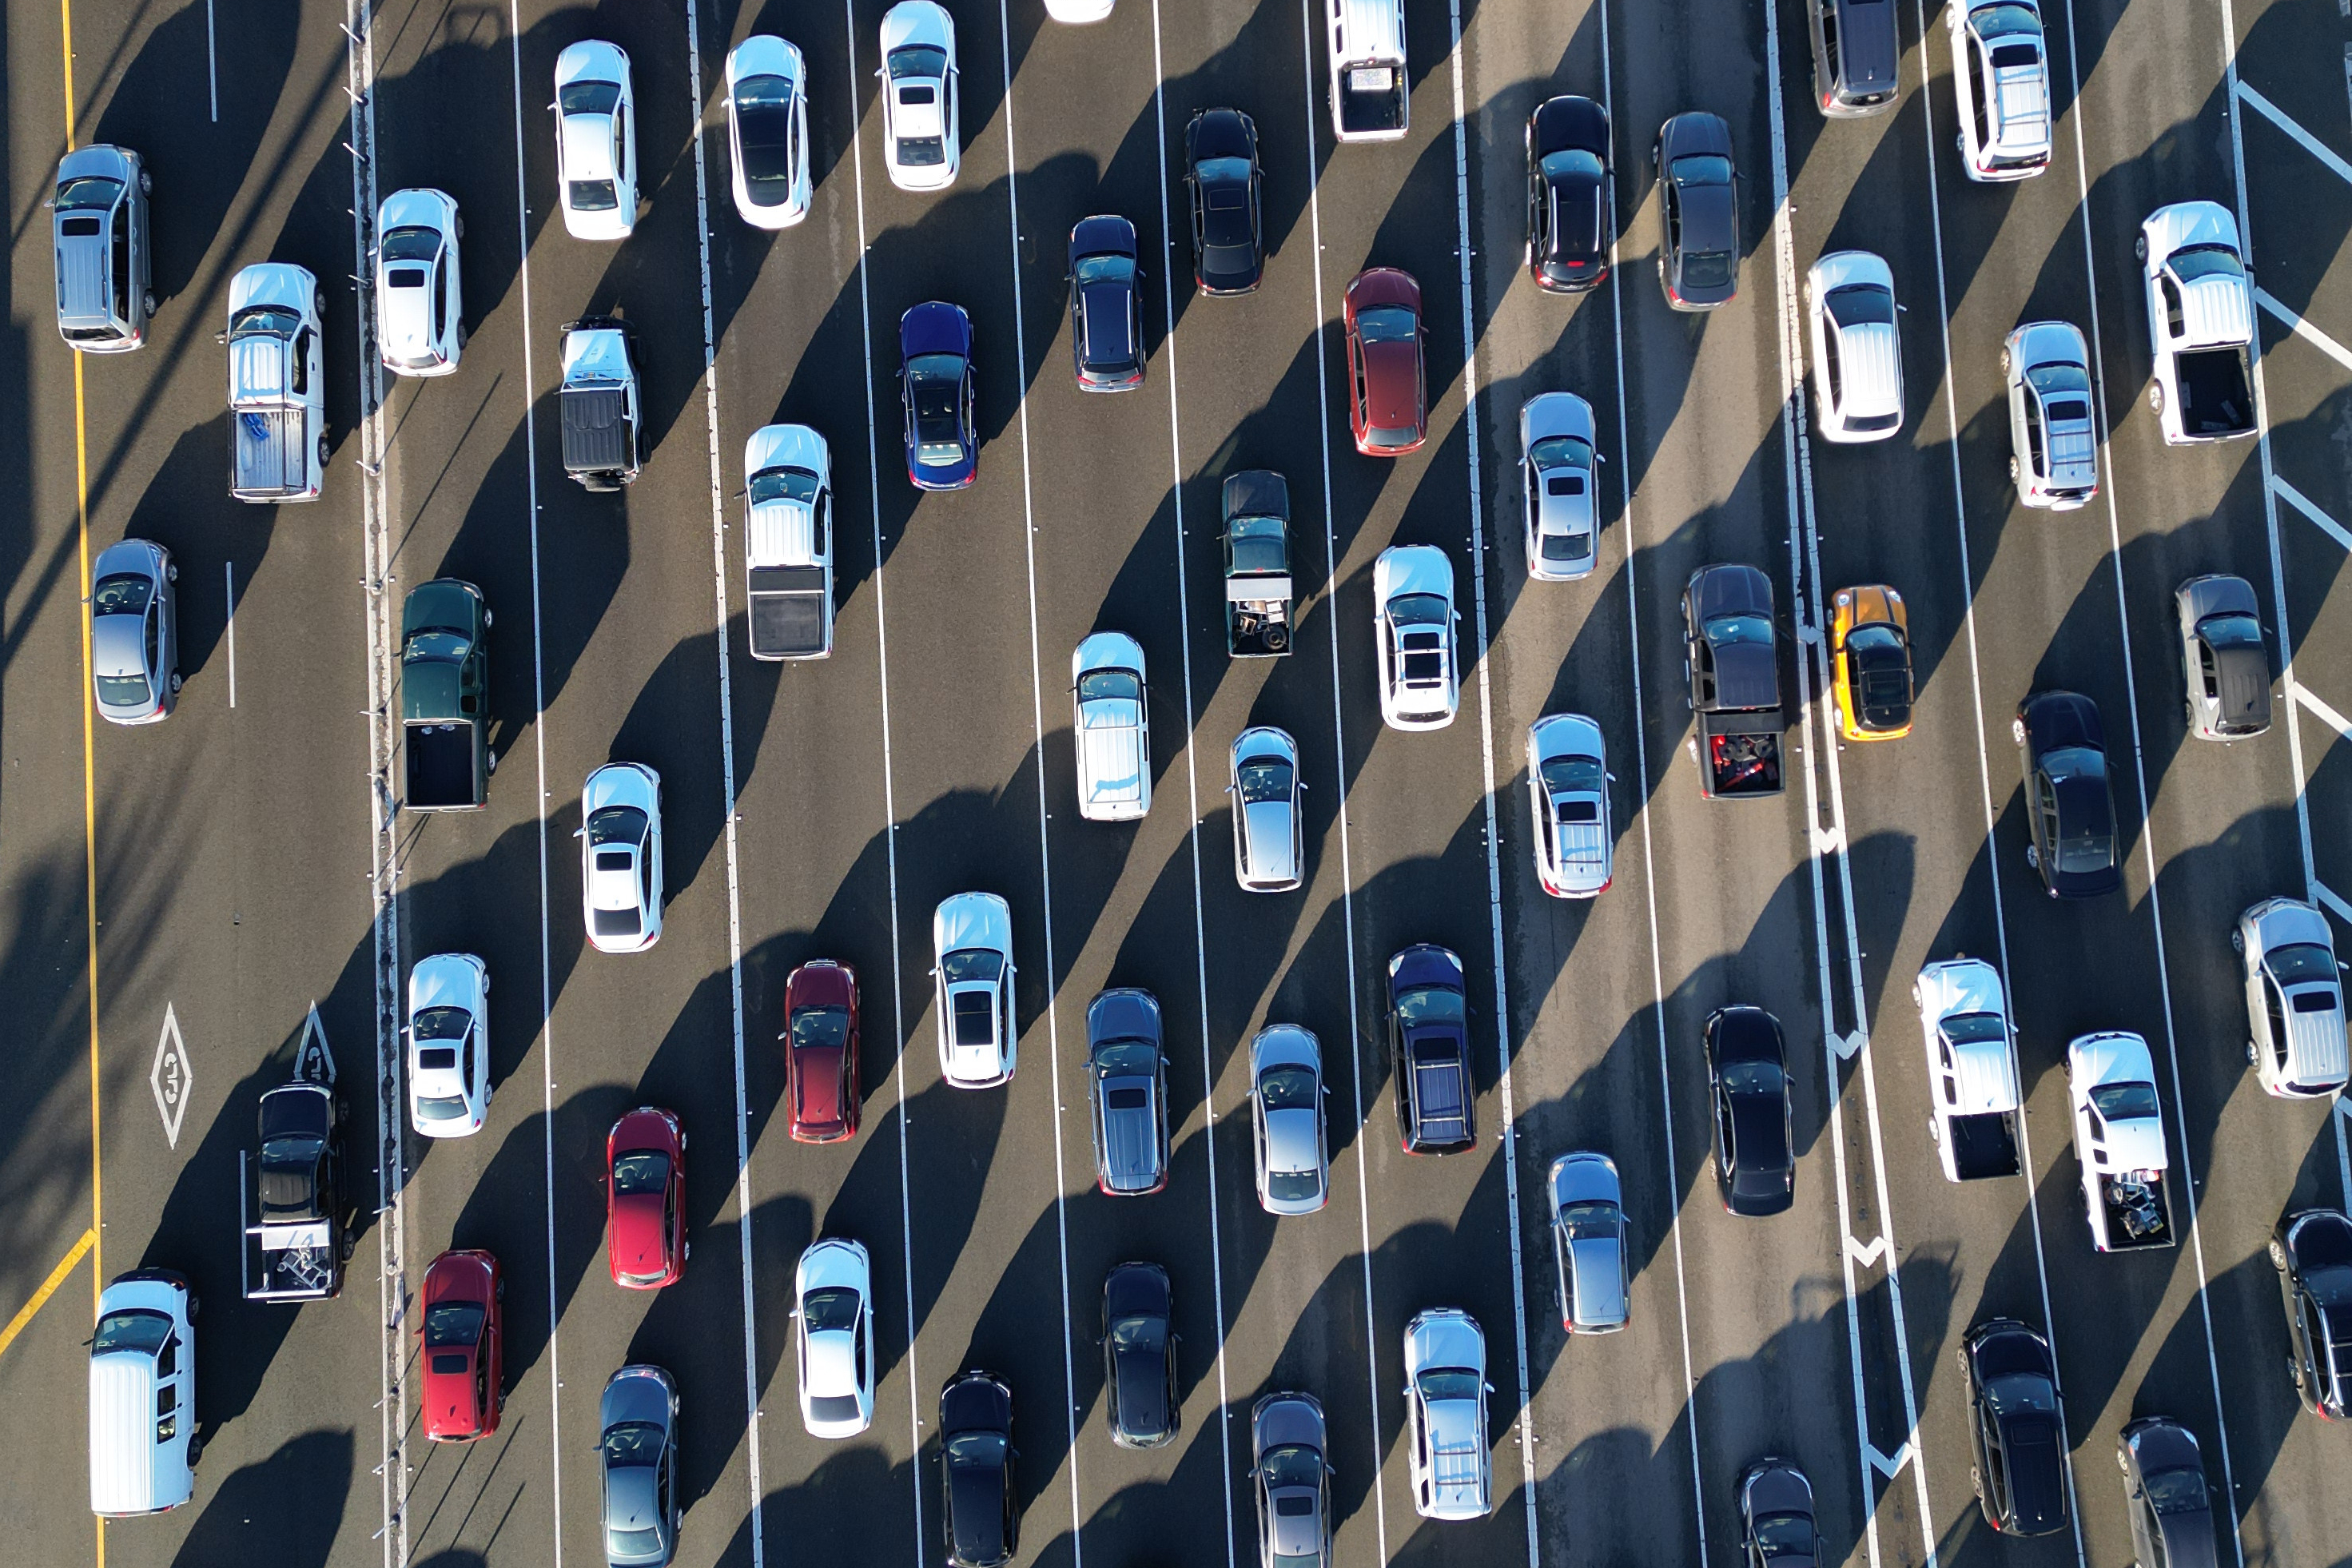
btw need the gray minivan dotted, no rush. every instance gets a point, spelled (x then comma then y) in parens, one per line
(103, 249)
(1855, 55)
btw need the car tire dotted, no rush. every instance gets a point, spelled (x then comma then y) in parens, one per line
(195, 1305)
(2278, 1256)
(172, 573)
(146, 183)
(1976, 1482)
(2017, 730)
(175, 682)
(2253, 1058)
(2005, 360)
(457, 225)
(686, 1252)
(2123, 1462)
(319, 302)
(489, 765)
(323, 451)
(2237, 941)
(2155, 399)
(2139, 245)
(195, 1451)
(498, 1290)
(2034, 857)
(2012, 468)
(682, 1140)
(147, 303)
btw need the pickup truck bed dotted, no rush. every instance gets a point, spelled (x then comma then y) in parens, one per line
(2217, 398)
(2137, 1215)
(439, 767)
(1984, 1145)
(787, 611)
(1371, 99)
(1739, 754)
(1257, 616)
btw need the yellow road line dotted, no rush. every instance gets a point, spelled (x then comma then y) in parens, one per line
(25, 1314)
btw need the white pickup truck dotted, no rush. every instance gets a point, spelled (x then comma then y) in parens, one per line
(1971, 1068)
(277, 398)
(2119, 1141)
(788, 543)
(2200, 322)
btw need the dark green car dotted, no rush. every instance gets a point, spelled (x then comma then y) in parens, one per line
(445, 706)
(1256, 510)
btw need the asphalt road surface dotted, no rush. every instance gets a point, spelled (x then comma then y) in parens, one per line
(179, 904)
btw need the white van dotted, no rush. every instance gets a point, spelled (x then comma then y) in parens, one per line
(1371, 94)
(143, 1395)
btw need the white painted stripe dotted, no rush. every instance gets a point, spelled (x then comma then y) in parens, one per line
(2305, 330)
(1310, 32)
(2312, 144)
(2304, 695)
(2322, 893)
(228, 583)
(727, 790)
(2302, 503)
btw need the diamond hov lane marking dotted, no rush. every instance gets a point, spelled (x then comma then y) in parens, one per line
(172, 1076)
(314, 1063)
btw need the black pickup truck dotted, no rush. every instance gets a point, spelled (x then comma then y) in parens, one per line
(1257, 506)
(445, 710)
(297, 1224)
(1732, 657)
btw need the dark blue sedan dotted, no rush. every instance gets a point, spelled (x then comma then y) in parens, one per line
(935, 385)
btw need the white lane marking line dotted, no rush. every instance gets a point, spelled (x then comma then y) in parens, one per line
(2311, 144)
(540, 816)
(1339, 770)
(1526, 1422)
(2302, 503)
(212, 64)
(2303, 329)
(1037, 725)
(1642, 772)
(889, 806)
(2304, 695)
(174, 1075)
(1191, 777)
(727, 794)
(228, 581)
(2328, 896)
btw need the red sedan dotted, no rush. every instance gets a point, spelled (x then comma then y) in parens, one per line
(1386, 407)
(463, 1331)
(645, 1204)
(821, 1082)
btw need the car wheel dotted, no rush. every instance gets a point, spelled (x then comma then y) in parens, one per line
(2278, 1256)
(2156, 397)
(2123, 1461)
(146, 183)
(1976, 1481)
(2139, 245)
(2237, 941)
(489, 765)
(2005, 363)
(464, 337)
(147, 303)
(323, 451)
(686, 1253)
(172, 573)
(2252, 1058)
(681, 1141)
(319, 302)
(175, 682)
(490, 618)
(2017, 730)
(2012, 468)
(195, 1451)
(458, 226)
(195, 1305)
(2034, 857)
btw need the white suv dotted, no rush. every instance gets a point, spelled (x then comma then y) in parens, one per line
(2000, 71)
(1857, 351)
(1412, 584)
(2294, 999)
(1110, 728)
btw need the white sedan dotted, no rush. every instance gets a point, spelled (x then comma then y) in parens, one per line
(922, 144)
(1568, 774)
(767, 131)
(1111, 728)
(1414, 586)
(595, 141)
(419, 329)
(972, 974)
(1558, 475)
(833, 1308)
(448, 1045)
(620, 835)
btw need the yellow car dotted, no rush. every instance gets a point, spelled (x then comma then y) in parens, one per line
(1870, 641)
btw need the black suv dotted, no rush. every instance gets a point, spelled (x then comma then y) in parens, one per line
(2165, 1491)
(976, 1475)
(2070, 802)
(1138, 1341)
(2020, 1473)
(1856, 53)
(2313, 1253)
(1106, 311)
(1429, 1047)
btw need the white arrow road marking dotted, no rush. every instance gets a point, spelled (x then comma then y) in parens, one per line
(173, 1077)
(314, 1062)
(1866, 1256)
(1887, 1465)
(1848, 1047)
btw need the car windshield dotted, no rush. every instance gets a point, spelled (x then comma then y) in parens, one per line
(2231, 631)
(1291, 1465)
(1875, 638)
(1574, 162)
(2206, 261)
(783, 484)
(1287, 1088)
(588, 97)
(1221, 171)
(937, 381)
(120, 594)
(1102, 269)
(1258, 545)
(1784, 1535)
(1138, 1334)
(1702, 169)
(820, 1028)
(433, 648)
(1561, 452)
(2125, 1102)
(832, 1310)
(919, 61)
(1588, 1219)
(275, 319)
(1264, 779)
(1420, 610)
(2177, 1492)
(764, 129)
(1572, 775)
(1441, 1383)
(1731, 631)
(2056, 377)
(454, 1325)
(1292, 1186)
(2301, 962)
(1125, 1058)
(2020, 1392)
(1860, 304)
(970, 964)
(2074, 763)
(631, 1443)
(640, 1172)
(1973, 1028)
(134, 1330)
(440, 1024)
(1754, 1077)
(89, 192)
(1115, 685)
(975, 1450)
(617, 825)
(1430, 1005)
(410, 243)
(1386, 324)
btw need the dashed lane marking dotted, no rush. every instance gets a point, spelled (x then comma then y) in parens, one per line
(2297, 498)
(2305, 330)
(2334, 721)
(2311, 144)
(30, 1310)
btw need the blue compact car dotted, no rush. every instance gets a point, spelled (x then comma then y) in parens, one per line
(935, 384)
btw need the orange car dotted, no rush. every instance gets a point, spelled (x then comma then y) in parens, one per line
(1871, 642)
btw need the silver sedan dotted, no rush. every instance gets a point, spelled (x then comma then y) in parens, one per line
(134, 633)
(1286, 1092)
(1561, 495)
(1269, 846)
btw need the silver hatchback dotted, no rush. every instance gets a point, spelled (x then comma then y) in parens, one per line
(1588, 1235)
(1268, 842)
(1287, 1093)
(2053, 442)
(104, 268)
(134, 633)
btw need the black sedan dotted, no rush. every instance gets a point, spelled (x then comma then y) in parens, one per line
(1698, 211)
(2165, 1492)
(1105, 308)
(2313, 1253)
(982, 1524)
(1570, 217)
(1775, 1517)
(2070, 805)
(1221, 176)
(1754, 1142)
(1139, 1343)
(2014, 1431)
(1429, 1044)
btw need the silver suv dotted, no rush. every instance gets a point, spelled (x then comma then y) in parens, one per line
(104, 267)
(2224, 659)
(2053, 446)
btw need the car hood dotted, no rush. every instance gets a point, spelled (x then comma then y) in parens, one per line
(2064, 719)
(1411, 569)
(1561, 123)
(1446, 1339)
(973, 920)
(1728, 590)
(635, 1396)
(934, 328)
(1124, 1014)
(1551, 414)
(785, 446)
(117, 644)
(1279, 1422)
(1775, 1489)
(1581, 1180)
(1424, 966)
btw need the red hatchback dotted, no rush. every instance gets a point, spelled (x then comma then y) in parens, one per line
(1386, 407)
(821, 1081)
(463, 1331)
(644, 1199)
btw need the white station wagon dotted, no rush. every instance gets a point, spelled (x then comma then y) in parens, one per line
(1111, 728)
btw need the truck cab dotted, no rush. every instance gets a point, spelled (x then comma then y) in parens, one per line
(291, 1198)
(1372, 96)
(1732, 660)
(2200, 322)
(600, 405)
(788, 543)
(277, 397)
(1257, 506)
(1973, 1088)
(445, 708)
(2119, 1141)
